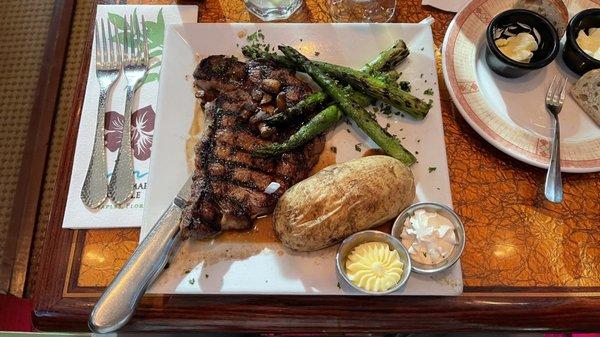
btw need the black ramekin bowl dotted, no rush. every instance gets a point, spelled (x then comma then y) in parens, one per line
(548, 44)
(575, 58)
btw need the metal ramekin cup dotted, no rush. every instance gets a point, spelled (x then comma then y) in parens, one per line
(354, 240)
(459, 230)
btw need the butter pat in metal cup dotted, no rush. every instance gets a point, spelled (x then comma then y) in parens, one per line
(459, 231)
(359, 238)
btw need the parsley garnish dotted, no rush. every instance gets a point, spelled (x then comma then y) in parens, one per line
(404, 85)
(432, 168)
(386, 110)
(256, 36)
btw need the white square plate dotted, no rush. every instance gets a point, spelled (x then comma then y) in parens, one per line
(238, 264)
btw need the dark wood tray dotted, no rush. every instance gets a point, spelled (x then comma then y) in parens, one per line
(484, 181)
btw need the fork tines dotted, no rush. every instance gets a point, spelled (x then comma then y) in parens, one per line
(108, 51)
(556, 92)
(135, 41)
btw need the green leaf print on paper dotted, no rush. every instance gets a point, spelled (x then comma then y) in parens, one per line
(155, 65)
(155, 53)
(117, 20)
(151, 77)
(155, 31)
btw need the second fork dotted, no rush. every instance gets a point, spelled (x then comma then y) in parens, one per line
(553, 189)
(135, 67)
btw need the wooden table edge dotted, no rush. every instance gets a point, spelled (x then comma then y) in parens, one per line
(26, 201)
(336, 314)
(490, 309)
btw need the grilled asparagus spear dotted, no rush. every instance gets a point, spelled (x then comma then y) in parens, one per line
(389, 93)
(388, 59)
(385, 61)
(317, 125)
(390, 144)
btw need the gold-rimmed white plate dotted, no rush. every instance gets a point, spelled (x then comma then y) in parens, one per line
(510, 113)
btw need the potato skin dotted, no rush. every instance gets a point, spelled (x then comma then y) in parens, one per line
(342, 199)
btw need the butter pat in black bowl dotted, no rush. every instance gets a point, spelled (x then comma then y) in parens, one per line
(574, 56)
(519, 41)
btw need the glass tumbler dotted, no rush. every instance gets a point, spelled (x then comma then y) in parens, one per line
(270, 10)
(362, 10)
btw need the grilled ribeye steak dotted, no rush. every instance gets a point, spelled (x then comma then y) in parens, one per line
(229, 187)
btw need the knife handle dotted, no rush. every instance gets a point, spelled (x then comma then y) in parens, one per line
(118, 302)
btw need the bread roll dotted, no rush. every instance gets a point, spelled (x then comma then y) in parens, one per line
(586, 93)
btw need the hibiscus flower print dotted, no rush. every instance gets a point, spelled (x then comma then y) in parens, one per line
(142, 129)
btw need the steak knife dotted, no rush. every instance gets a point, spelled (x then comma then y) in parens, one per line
(119, 301)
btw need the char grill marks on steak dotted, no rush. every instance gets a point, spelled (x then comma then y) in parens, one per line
(228, 189)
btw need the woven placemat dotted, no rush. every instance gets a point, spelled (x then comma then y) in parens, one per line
(75, 52)
(22, 44)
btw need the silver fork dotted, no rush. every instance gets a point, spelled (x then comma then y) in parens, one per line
(135, 67)
(554, 101)
(108, 68)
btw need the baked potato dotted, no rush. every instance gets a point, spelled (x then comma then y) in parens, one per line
(342, 199)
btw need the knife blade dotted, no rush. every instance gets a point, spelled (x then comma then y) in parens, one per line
(120, 299)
